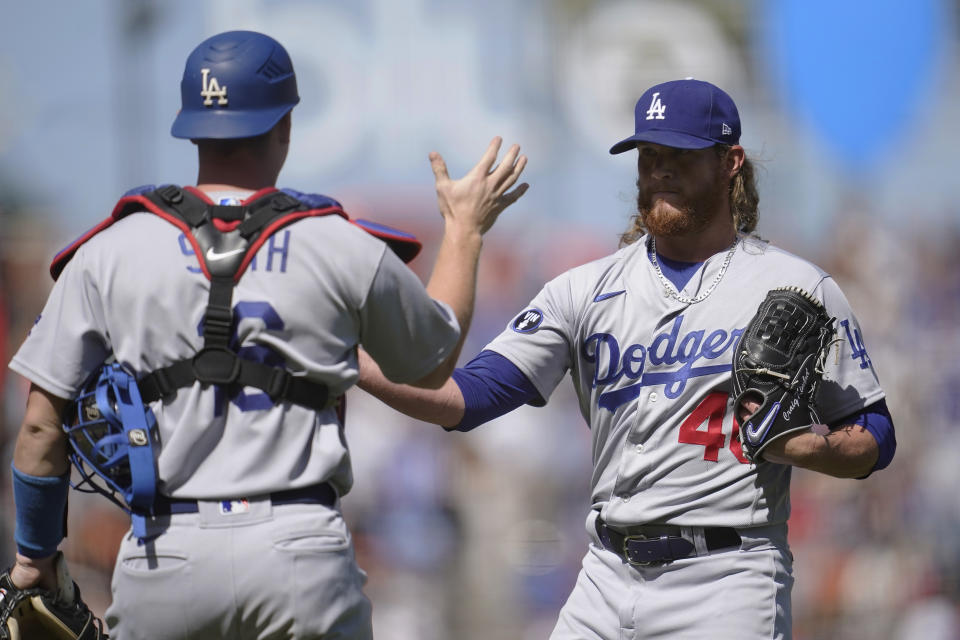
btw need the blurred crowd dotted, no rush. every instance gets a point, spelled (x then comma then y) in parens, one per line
(480, 535)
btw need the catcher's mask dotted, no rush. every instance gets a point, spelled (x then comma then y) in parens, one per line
(111, 436)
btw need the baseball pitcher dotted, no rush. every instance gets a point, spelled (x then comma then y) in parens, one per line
(708, 363)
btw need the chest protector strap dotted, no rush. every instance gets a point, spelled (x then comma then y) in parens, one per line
(225, 239)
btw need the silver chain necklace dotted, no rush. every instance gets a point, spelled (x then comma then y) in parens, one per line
(670, 291)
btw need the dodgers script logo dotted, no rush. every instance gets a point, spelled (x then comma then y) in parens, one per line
(611, 364)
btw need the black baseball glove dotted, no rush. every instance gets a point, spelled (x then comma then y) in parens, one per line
(31, 614)
(778, 365)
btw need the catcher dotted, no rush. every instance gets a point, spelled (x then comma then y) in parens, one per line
(232, 312)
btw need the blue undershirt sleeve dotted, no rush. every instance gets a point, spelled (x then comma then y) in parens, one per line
(876, 419)
(492, 386)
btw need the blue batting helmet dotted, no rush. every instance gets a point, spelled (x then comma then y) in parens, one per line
(111, 436)
(236, 84)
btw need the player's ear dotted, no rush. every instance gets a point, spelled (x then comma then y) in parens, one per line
(733, 160)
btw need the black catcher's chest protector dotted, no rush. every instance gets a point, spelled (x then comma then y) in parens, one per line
(225, 239)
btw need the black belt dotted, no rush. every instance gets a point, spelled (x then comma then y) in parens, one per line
(323, 493)
(650, 545)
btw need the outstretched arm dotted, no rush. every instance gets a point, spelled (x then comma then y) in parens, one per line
(469, 207)
(486, 388)
(443, 406)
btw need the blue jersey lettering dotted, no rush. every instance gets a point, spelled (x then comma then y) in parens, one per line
(858, 351)
(669, 348)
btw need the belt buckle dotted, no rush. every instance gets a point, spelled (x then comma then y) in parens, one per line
(640, 563)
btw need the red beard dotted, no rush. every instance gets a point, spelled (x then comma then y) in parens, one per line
(662, 219)
(692, 215)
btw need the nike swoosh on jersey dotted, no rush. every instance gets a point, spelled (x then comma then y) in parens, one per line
(757, 433)
(213, 255)
(604, 296)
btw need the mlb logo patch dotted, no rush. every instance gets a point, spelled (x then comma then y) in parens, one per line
(234, 507)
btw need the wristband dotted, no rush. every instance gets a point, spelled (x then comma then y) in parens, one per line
(41, 503)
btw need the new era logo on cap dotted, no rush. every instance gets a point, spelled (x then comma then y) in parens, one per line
(686, 114)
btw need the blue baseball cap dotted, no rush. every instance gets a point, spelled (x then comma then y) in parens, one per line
(685, 114)
(236, 84)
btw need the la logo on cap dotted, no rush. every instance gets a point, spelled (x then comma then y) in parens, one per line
(657, 108)
(211, 89)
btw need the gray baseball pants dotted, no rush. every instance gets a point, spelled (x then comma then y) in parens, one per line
(255, 572)
(735, 594)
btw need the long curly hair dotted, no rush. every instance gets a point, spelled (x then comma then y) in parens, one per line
(744, 201)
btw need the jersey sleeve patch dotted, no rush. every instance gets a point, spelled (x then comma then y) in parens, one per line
(528, 321)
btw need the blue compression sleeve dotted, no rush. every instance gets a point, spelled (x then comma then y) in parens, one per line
(40, 505)
(876, 419)
(492, 386)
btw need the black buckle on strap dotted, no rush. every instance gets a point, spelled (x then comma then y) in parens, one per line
(216, 365)
(170, 193)
(279, 384)
(281, 201)
(217, 323)
(162, 383)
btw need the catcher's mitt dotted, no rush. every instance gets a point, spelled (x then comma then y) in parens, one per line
(778, 364)
(32, 614)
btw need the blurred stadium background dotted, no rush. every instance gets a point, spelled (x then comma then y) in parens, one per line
(850, 107)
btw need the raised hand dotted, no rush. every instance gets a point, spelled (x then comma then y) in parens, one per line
(476, 200)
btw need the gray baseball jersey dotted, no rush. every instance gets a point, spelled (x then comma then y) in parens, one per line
(316, 290)
(653, 377)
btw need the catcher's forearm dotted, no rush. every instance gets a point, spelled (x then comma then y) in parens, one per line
(41, 447)
(443, 406)
(847, 452)
(454, 281)
(40, 476)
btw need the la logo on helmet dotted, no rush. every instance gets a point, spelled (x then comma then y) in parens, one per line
(657, 108)
(211, 89)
